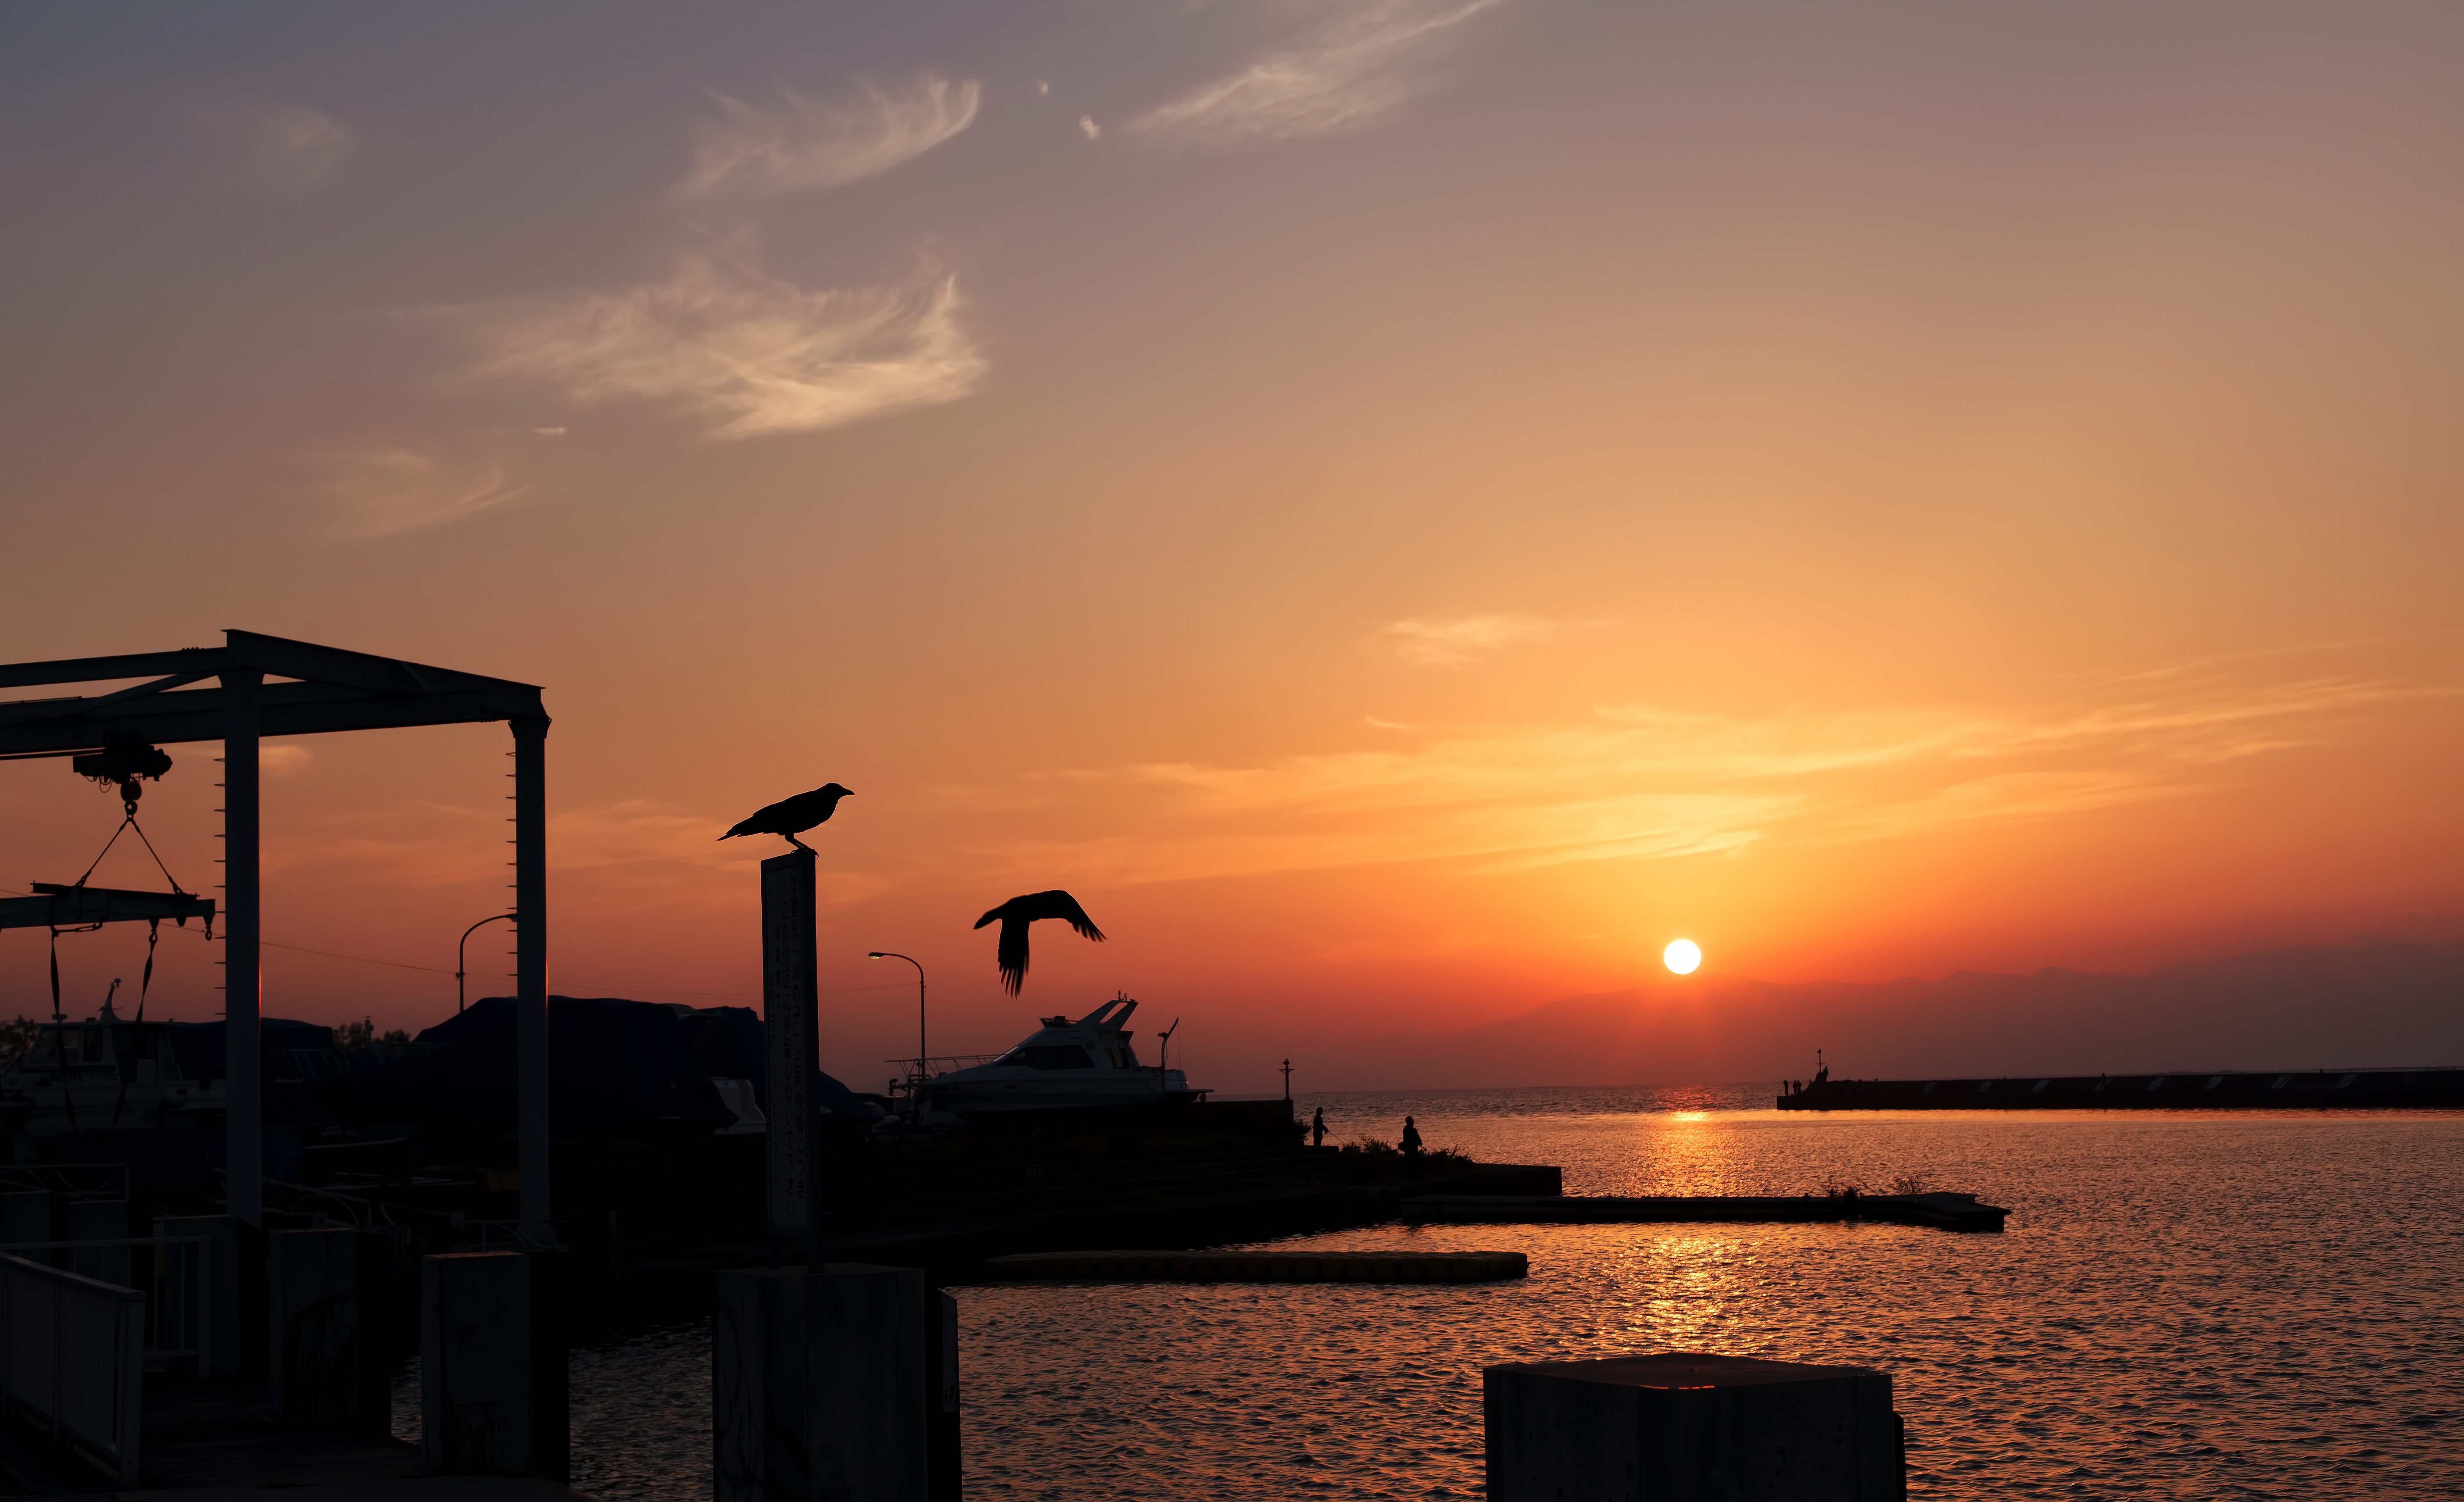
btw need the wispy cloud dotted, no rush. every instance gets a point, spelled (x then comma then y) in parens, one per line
(1457, 641)
(745, 351)
(283, 759)
(1359, 64)
(798, 144)
(1642, 781)
(395, 488)
(289, 149)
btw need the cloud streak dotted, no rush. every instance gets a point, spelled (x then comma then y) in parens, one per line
(1460, 641)
(291, 149)
(797, 145)
(746, 353)
(388, 489)
(1353, 69)
(1646, 782)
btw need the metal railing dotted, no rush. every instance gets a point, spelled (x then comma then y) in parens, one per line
(179, 1323)
(71, 1359)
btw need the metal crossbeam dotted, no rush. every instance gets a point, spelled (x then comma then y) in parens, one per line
(78, 907)
(334, 690)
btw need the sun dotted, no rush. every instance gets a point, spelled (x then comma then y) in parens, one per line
(1682, 956)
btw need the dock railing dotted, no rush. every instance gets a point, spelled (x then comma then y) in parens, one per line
(178, 1314)
(72, 1361)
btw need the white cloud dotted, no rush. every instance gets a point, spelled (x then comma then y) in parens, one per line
(1087, 128)
(746, 352)
(1365, 60)
(390, 488)
(1457, 641)
(291, 149)
(802, 145)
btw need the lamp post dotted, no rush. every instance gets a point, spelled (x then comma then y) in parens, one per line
(884, 954)
(462, 953)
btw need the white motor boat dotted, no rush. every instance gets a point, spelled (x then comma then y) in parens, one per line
(1063, 1065)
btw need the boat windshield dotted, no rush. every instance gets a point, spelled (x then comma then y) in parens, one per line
(1047, 1055)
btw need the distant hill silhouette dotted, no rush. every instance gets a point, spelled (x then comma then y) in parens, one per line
(2367, 1004)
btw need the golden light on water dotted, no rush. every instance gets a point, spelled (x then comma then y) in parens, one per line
(1682, 956)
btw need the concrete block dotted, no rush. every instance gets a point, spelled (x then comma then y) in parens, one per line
(1690, 1428)
(328, 1345)
(832, 1387)
(219, 1310)
(491, 1365)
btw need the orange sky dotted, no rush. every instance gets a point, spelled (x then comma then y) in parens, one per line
(1402, 506)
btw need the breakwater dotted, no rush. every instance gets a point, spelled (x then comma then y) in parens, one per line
(2199, 1090)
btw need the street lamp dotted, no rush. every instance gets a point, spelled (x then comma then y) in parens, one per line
(461, 954)
(921, 1067)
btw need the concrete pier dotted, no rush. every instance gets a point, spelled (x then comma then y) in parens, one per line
(1691, 1427)
(2185, 1089)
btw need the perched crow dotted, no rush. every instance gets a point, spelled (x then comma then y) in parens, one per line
(792, 816)
(1020, 911)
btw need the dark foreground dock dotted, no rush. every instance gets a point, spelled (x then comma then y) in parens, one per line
(2200, 1090)
(1266, 1267)
(1946, 1211)
(214, 1441)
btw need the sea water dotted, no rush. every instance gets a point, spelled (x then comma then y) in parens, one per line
(2185, 1305)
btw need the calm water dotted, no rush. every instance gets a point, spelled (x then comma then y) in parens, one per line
(2183, 1306)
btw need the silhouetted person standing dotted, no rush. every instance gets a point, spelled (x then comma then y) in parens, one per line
(1411, 1150)
(1317, 1129)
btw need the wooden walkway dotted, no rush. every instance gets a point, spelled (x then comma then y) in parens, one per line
(211, 1442)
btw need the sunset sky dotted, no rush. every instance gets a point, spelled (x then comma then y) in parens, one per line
(1404, 506)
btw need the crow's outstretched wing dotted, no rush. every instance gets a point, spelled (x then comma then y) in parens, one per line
(1058, 904)
(1012, 953)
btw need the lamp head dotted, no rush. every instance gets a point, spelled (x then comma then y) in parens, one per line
(874, 956)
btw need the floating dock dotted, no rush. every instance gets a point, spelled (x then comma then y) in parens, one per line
(1264, 1267)
(2201, 1090)
(1946, 1211)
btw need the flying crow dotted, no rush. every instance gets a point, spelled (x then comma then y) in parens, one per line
(792, 816)
(1020, 911)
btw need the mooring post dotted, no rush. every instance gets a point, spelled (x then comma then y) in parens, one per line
(791, 1026)
(832, 1385)
(491, 1365)
(530, 973)
(1691, 1427)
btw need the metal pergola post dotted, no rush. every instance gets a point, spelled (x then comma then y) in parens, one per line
(243, 967)
(529, 969)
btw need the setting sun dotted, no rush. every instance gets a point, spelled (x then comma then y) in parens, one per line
(1682, 956)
